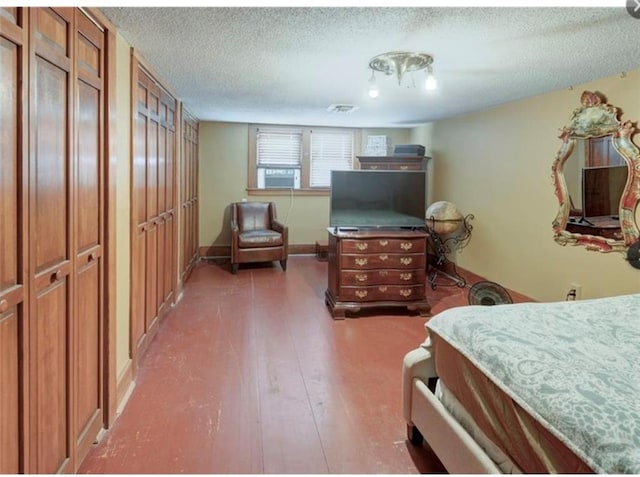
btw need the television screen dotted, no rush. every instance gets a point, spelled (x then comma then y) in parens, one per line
(364, 198)
(602, 189)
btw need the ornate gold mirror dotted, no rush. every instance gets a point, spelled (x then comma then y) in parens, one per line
(596, 175)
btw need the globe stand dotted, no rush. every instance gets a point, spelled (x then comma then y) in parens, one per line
(444, 246)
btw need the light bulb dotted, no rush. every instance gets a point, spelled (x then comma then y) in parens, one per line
(430, 83)
(374, 92)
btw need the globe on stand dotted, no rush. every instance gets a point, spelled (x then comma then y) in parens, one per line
(449, 231)
(443, 217)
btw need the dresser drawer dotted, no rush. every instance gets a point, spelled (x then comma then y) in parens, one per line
(405, 167)
(382, 277)
(375, 167)
(391, 167)
(412, 245)
(382, 261)
(382, 293)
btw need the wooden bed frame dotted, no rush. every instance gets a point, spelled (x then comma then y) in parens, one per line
(428, 419)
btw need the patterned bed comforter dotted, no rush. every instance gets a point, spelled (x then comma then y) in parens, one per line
(574, 366)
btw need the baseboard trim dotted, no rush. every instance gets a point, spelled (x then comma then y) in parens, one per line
(225, 250)
(214, 251)
(124, 387)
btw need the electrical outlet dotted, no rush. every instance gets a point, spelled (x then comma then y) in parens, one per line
(577, 288)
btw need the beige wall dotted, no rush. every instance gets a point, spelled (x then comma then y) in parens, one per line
(223, 155)
(123, 199)
(394, 137)
(424, 135)
(496, 164)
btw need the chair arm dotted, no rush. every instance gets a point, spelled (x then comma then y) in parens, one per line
(278, 226)
(284, 230)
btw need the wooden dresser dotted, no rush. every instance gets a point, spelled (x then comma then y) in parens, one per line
(376, 268)
(390, 163)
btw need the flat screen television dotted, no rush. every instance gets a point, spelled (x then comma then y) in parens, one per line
(602, 189)
(377, 199)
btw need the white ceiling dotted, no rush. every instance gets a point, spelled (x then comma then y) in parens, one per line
(286, 65)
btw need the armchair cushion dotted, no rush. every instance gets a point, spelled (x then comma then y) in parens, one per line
(253, 216)
(259, 238)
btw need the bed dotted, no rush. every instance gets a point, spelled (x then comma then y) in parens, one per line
(529, 387)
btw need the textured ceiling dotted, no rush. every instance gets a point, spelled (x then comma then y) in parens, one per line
(288, 65)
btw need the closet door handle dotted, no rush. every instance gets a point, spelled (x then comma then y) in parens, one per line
(55, 276)
(91, 257)
(4, 306)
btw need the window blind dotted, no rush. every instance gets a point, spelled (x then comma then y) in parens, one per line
(330, 151)
(279, 147)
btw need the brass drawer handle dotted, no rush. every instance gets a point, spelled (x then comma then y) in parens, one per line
(384, 243)
(405, 293)
(384, 257)
(361, 293)
(406, 246)
(382, 289)
(406, 260)
(4, 306)
(361, 261)
(362, 277)
(362, 246)
(405, 276)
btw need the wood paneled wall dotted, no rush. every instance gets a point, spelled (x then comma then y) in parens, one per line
(53, 193)
(57, 233)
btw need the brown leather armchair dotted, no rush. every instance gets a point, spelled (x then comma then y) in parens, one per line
(256, 234)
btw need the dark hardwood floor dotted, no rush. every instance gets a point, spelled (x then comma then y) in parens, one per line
(250, 374)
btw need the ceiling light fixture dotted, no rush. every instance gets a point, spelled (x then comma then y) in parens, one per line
(399, 63)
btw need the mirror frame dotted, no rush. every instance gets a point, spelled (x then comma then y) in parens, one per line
(596, 118)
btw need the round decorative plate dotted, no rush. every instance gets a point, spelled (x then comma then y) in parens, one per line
(488, 293)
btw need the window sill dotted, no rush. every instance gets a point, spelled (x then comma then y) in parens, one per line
(319, 191)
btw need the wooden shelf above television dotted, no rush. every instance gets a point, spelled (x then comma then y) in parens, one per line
(390, 163)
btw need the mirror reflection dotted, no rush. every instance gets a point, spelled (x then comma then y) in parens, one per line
(596, 175)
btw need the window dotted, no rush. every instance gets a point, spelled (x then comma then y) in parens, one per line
(330, 150)
(298, 158)
(278, 158)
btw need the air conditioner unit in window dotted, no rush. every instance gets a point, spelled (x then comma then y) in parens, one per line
(278, 178)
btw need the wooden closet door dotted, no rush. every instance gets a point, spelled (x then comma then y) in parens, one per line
(139, 217)
(51, 326)
(89, 235)
(189, 196)
(153, 177)
(153, 132)
(161, 228)
(14, 348)
(166, 190)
